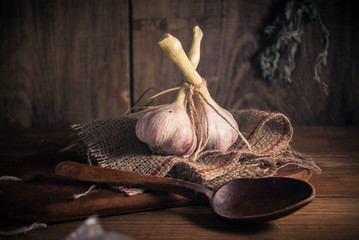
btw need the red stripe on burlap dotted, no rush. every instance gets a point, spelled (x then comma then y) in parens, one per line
(162, 165)
(280, 139)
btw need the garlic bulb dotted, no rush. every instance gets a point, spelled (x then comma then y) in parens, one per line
(168, 129)
(221, 135)
(222, 127)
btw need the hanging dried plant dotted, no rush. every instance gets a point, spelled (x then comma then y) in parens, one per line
(278, 59)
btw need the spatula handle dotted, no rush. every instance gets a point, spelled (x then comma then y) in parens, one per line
(84, 172)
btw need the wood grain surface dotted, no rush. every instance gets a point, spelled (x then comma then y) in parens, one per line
(33, 154)
(334, 213)
(65, 62)
(233, 37)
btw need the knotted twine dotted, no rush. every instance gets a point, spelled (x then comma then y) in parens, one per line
(112, 143)
(196, 98)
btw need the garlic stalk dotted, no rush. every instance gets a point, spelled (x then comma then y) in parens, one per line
(195, 50)
(218, 130)
(173, 48)
(168, 130)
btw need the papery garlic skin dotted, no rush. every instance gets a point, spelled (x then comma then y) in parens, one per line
(168, 130)
(221, 134)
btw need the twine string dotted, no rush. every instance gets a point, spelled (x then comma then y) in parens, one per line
(230, 124)
(193, 91)
(197, 123)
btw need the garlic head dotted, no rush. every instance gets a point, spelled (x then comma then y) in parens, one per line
(168, 129)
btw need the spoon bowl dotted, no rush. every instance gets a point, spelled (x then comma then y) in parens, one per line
(243, 200)
(261, 199)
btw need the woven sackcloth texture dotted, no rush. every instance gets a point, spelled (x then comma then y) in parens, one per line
(113, 143)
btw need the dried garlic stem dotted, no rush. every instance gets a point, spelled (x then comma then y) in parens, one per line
(181, 96)
(195, 51)
(173, 48)
(194, 57)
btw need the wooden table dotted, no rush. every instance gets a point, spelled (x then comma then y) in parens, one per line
(334, 214)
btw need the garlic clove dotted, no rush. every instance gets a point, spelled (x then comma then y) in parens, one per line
(221, 135)
(168, 130)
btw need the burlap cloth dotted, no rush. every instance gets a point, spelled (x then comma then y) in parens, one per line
(113, 143)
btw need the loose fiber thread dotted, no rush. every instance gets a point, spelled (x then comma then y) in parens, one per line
(10, 178)
(84, 194)
(23, 229)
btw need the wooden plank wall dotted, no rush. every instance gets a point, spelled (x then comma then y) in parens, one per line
(64, 62)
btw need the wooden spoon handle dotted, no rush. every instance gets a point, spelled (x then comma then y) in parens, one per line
(84, 172)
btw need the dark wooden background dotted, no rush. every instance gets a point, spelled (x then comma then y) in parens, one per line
(65, 62)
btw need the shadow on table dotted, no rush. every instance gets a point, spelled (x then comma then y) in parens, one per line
(205, 218)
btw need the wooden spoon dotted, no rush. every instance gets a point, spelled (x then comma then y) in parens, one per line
(241, 200)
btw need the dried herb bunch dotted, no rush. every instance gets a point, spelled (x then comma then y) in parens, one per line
(277, 60)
